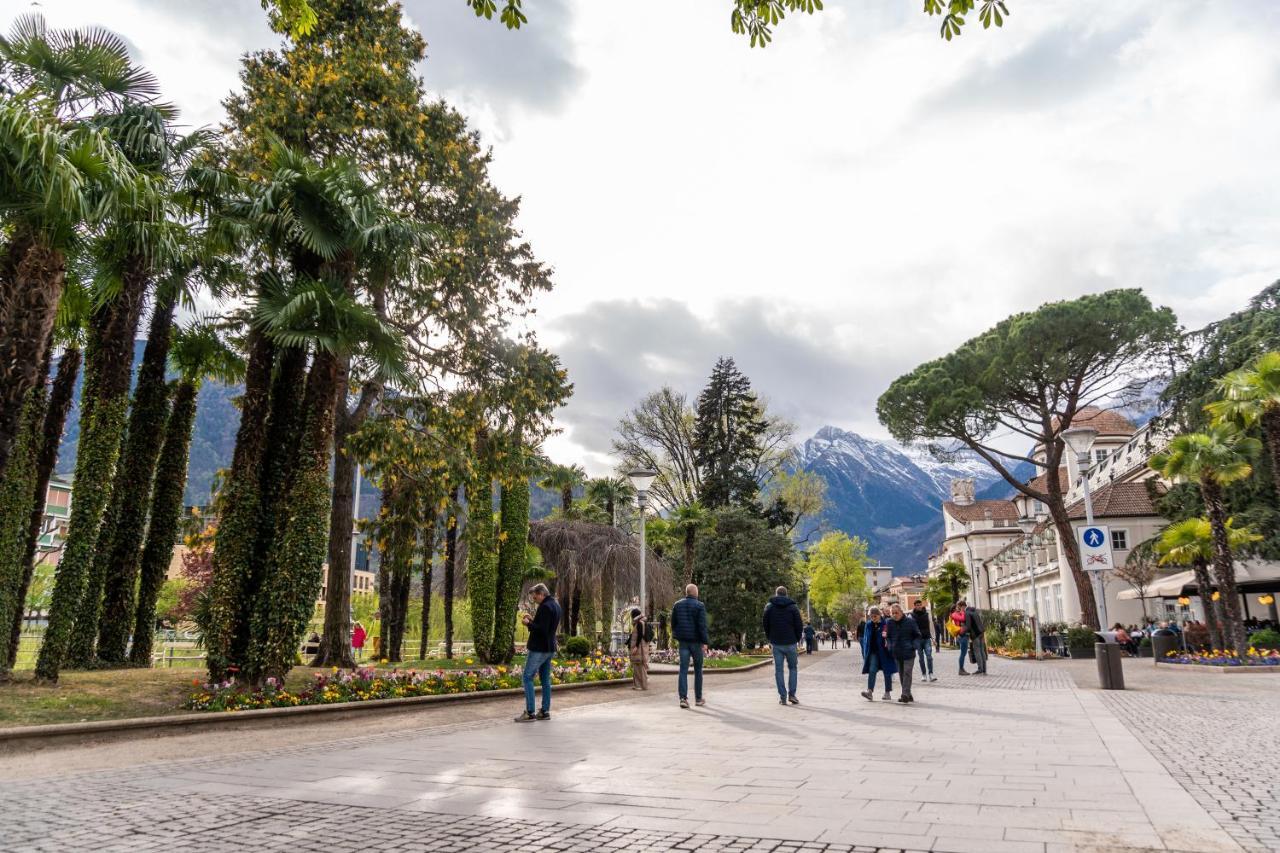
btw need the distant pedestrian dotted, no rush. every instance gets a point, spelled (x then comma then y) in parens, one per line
(541, 647)
(904, 641)
(844, 636)
(924, 646)
(689, 627)
(976, 630)
(876, 656)
(638, 649)
(810, 638)
(358, 635)
(835, 636)
(958, 631)
(784, 627)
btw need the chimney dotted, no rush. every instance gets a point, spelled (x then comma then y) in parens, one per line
(962, 492)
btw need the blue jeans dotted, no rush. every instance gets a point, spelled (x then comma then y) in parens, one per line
(872, 669)
(964, 650)
(924, 649)
(539, 664)
(690, 650)
(791, 655)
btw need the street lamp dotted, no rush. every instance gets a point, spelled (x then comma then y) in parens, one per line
(1080, 440)
(1028, 523)
(642, 479)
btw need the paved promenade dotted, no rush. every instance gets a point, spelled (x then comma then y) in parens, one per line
(1023, 760)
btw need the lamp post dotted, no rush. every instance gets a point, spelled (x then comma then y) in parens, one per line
(1080, 440)
(642, 479)
(1028, 524)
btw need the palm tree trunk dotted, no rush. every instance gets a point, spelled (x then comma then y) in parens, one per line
(15, 508)
(1223, 567)
(31, 278)
(566, 500)
(77, 593)
(450, 566)
(689, 535)
(132, 490)
(1271, 432)
(514, 510)
(482, 559)
(166, 515)
(235, 542)
(427, 577)
(55, 421)
(294, 572)
(1212, 610)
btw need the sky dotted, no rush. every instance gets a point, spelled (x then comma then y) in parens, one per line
(831, 211)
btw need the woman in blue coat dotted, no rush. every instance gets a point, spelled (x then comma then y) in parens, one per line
(877, 655)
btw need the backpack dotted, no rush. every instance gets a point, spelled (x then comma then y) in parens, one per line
(648, 632)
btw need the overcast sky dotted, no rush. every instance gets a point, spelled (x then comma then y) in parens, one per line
(831, 211)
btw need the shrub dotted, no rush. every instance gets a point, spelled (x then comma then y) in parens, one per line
(1081, 637)
(577, 647)
(1197, 636)
(1021, 641)
(996, 638)
(1145, 644)
(1268, 638)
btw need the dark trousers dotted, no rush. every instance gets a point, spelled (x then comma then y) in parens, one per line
(906, 669)
(690, 651)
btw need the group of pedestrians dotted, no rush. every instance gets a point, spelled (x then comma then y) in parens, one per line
(892, 643)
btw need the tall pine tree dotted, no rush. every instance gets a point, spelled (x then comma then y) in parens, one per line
(728, 435)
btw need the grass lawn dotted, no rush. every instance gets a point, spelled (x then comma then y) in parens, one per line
(732, 661)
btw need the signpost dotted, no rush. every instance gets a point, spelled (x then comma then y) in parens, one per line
(1095, 548)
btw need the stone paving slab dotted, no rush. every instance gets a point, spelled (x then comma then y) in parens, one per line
(1021, 760)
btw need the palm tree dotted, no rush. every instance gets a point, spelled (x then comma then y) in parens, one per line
(564, 479)
(197, 353)
(687, 520)
(59, 172)
(609, 493)
(1191, 543)
(1215, 459)
(1251, 396)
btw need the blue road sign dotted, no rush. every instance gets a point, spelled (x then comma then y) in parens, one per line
(1094, 537)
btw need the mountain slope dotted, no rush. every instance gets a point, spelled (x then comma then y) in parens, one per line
(890, 495)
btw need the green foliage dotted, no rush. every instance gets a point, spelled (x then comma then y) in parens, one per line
(1268, 638)
(741, 562)
(1020, 641)
(836, 567)
(517, 559)
(996, 637)
(944, 588)
(168, 605)
(482, 562)
(1080, 637)
(727, 439)
(17, 488)
(577, 647)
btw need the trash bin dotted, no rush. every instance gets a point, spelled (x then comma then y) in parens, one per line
(1110, 668)
(1162, 644)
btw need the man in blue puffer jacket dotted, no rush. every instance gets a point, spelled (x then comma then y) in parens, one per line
(689, 627)
(784, 627)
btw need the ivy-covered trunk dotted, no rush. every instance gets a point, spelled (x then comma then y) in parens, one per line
(689, 540)
(1271, 433)
(236, 539)
(132, 489)
(287, 599)
(450, 566)
(166, 515)
(55, 421)
(1223, 566)
(15, 508)
(31, 277)
(1212, 609)
(482, 561)
(514, 512)
(399, 535)
(428, 571)
(113, 330)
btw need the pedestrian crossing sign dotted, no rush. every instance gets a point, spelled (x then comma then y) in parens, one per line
(1095, 548)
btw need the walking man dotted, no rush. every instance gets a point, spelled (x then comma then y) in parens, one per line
(904, 639)
(689, 627)
(958, 619)
(925, 644)
(877, 656)
(784, 628)
(977, 634)
(541, 647)
(810, 638)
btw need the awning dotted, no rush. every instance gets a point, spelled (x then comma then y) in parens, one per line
(1250, 575)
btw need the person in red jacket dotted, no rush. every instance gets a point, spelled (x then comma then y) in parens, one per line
(358, 635)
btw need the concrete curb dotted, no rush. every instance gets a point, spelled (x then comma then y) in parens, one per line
(1225, 670)
(706, 670)
(35, 737)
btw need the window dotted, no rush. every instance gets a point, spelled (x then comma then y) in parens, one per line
(1120, 540)
(1100, 455)
(1057, 601)
(59, 497)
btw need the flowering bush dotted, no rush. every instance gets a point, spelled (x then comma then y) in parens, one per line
(1224, 657)
(362, 685)
(673, 655)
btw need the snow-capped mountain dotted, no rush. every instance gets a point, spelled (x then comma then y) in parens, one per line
(889, 494)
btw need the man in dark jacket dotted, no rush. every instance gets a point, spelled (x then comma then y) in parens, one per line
(810, 638)
(689, 627)
(903, 640)
(925, 644)
(976, 630)
(541, 647)
(784, 628)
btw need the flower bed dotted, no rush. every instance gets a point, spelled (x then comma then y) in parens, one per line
(673, 655)
(1222, 657)
(1018, 654)
(363, 685)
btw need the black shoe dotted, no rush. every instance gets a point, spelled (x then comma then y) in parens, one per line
(782, 701)
(866, 694)
(684, 703)
(910, 699)
(965, 672)
(526, 717)
(793, 700)
(544, 715)
(904, 699)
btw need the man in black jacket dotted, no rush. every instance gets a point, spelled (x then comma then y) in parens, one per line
(541, 647)
(976, 629)
(925, 643)
(689, 627)
(784, 627)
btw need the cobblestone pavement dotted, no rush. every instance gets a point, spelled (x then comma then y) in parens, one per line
(1224, 749)
(1020, 761)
